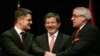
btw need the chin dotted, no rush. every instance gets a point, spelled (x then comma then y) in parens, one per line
(52, 32)
(27, 28)
(73, 26)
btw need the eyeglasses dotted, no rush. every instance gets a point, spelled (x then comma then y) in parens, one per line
(28, 20)
(76, 16)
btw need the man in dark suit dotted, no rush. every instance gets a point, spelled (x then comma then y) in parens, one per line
(14, 42)
(53, 41)
(86, 41)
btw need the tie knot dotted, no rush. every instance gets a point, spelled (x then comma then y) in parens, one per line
(52, 36)
(23, 33)
(78, 31)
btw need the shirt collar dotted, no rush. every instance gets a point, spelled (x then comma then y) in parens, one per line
(55, 34)
(18, 30)
(82, 26)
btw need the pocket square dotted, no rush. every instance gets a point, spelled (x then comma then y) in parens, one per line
(76, 39)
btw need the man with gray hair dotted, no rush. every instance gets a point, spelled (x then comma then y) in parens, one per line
(86, 40)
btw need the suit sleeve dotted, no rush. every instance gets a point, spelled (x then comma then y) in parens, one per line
(86, 40)
(38, 51)
(8, 45)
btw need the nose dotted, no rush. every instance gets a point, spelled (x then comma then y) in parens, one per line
(31, 22)
(72, 18)
(50, 24)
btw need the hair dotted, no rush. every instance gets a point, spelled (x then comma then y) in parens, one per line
(52, 14)
(84, 12)
(22, 12)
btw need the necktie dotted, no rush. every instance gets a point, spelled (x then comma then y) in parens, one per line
(51, 43)
(76, 38)
(76, 32)
(23, 34)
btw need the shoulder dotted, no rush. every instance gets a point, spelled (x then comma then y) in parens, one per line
(30, 34)
(41, 36)
(64, 36)
(90, 28)
(7, 32)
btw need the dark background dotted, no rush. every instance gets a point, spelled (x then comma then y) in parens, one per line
(40, 8)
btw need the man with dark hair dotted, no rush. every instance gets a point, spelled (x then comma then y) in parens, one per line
(53, 41)
(17, 41)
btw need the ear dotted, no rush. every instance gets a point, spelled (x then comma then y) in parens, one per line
(20, 19)
(59, 24)
(83, 18)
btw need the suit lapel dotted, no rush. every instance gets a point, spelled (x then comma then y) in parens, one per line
(46, 42)
(28, 41)
(84, 28)
(16, 38)
(58, 41)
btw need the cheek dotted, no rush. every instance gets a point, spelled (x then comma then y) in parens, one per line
(26, 23)
(76, 22)
(79, 21)
(46, 25)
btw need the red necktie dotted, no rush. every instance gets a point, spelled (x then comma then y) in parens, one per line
(76, 32)
(76, 38)
(51, 43)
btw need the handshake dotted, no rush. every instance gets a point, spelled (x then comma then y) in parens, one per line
(49, 54)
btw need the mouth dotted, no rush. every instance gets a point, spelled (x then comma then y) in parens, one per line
(50, 27)
(29, 24)
(73, 22)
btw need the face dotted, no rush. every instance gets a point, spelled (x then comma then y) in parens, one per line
(77, 19)
(51, 25)
(26, 21)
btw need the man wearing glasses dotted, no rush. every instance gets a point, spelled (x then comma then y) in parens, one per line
(86, 38)
(17, 41)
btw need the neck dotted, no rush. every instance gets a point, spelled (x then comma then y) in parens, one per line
(82, 25)
(19, 26)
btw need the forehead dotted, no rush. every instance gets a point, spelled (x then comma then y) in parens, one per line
(28, 16)
(51, 19)
(76, 11)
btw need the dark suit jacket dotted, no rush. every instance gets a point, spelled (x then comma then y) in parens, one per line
(12, 45)
(61, 43)
(87, 45)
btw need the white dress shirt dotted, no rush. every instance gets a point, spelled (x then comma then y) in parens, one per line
(55, 36)
(18, 31)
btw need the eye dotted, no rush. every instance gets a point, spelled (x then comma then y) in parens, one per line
(76, 16)
(29, 20)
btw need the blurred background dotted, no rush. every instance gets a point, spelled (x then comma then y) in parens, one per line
(40, 8)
